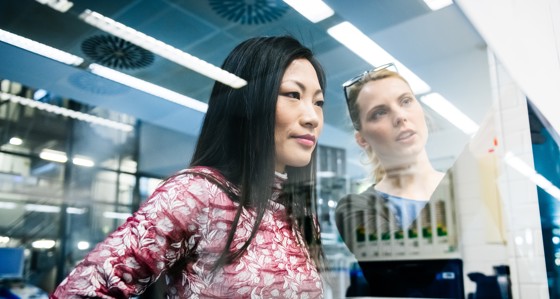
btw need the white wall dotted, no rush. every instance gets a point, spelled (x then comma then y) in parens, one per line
(525, 36)
(497, 207)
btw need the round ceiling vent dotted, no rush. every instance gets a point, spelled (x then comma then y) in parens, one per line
(117, 53)
(250, 12)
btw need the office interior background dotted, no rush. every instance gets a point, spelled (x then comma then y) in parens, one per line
(94, 116)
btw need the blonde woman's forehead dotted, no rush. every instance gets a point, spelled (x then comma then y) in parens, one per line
(386, 88)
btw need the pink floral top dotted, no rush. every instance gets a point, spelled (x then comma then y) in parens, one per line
(181, 230)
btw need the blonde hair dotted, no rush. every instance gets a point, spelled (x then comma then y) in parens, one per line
(352, 97)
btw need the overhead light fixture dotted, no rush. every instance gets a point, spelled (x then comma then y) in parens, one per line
(448, 111)
(43, 244)
(7, 205)
(52, 155)
(314, 10)
(42, 208)
(148, 87)
(77, 211)
(39, 94)
(363, 46)
(83, 161)
(60, 157)
(162, 49)
(529, 172)
(67, 112)
(438, 4)
(38, 48)
(116, 215)
(16, 141)
(60, 5)
(83, 245)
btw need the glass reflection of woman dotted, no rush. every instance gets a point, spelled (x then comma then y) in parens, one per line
(391, 128)
(238, 223)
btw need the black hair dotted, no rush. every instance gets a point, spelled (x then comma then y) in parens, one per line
(237, 139)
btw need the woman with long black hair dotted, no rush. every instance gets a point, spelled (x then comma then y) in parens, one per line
(239, 222)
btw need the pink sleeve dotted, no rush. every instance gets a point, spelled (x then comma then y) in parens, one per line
(165, 229)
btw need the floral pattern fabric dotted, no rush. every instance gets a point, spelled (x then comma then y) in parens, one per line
(180, 231)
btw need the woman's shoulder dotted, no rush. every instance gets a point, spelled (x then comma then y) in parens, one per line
(200, 180)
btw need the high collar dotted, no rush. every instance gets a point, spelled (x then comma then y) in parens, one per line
(279, 180)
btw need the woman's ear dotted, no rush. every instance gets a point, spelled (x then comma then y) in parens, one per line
(360, 140)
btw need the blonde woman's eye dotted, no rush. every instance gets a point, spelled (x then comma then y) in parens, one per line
(378, 114)
(407, 101)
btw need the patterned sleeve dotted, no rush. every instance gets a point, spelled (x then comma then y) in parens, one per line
(164, 229)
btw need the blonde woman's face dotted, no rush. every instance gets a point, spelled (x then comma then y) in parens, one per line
(392, 121)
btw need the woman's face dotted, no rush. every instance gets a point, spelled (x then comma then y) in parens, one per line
(392, 121)
(299, 115)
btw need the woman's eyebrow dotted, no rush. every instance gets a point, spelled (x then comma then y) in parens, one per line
(302, 86)
(405, 94)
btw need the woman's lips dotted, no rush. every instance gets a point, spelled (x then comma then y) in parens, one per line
(405, 135)
(306, 140)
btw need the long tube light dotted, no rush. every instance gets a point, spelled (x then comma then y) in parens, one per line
(148, 87)
(60, 157)
(438, 4)
(52, 155)
(359, 43)
(448, 111)
(39, 48)
(116, 215)
(524, 169)
(66, 112)
(162, 49)
(314, 10)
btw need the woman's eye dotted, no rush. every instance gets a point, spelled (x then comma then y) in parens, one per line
(293, 94)
(406, 101)
(378, 114)
(320, 103)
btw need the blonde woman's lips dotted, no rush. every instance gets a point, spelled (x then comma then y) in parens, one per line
(404, 135)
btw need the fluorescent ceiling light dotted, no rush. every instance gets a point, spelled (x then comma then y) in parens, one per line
(83, 245)
(116, 215)
(314, 10)
(52, 155)
(73, 210)
(359, 43)
(39, 94)
(67, 112)
(148, 87)
(162, 49)
(522, 167)
(7, 205)
(16, 141)
(83, 161)
(448, 111)
(4, 239)
(60, 5)
(43, 244)
(326, 174)
(38, 48)
(42, 208)
(438, 4)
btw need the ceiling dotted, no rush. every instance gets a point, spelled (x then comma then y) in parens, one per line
(439, 46)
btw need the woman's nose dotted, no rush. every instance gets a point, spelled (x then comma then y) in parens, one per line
(400, 117)
(310, 117)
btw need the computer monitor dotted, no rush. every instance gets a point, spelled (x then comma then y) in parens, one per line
(412, 278)
(11, 263)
